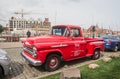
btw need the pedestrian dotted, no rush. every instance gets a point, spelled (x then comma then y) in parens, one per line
(28, 33)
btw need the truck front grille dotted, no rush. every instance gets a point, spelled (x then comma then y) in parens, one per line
(29, 50)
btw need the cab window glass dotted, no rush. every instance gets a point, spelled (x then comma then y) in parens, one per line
(75, 32)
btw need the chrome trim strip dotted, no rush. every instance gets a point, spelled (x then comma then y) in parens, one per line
(61, 45)
(25, 49)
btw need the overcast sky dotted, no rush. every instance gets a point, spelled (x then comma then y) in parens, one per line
(105, 13)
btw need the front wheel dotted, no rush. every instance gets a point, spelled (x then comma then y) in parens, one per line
(52, 62)
(96, 55)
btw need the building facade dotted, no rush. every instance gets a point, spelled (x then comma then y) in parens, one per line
(21, 26)
(98, 31)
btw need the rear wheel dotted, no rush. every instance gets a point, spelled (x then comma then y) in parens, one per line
(52, 63)
(96, 55)
(115, 49)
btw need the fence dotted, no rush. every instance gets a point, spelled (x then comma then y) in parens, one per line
(10, 38)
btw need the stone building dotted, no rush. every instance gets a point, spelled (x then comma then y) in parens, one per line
(22, 25)
(97, 31)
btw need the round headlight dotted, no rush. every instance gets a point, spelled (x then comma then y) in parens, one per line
(34, 51)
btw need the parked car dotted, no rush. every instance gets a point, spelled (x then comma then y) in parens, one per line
(111, 42)
(5, 63)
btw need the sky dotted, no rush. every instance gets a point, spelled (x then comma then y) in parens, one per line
(105, 13)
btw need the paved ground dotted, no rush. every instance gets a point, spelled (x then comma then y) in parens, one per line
(10, 44)
(21, 70)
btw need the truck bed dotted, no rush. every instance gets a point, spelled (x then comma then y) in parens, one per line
(93, 39)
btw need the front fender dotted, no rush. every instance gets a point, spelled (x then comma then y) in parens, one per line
(42, 54)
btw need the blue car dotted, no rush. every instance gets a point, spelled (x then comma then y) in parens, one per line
(111, 42)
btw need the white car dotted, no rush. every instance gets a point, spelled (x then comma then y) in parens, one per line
(5, 63)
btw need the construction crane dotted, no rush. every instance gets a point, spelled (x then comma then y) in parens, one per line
(22, 13)
(3, 20)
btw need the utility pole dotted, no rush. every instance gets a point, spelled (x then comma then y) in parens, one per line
(109, 30)
(55, 16)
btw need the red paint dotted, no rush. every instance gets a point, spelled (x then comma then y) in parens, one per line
(68, 47)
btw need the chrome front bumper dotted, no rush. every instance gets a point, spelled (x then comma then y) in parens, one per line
(30, 60)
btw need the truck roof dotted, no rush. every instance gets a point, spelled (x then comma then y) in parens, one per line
(68, 25)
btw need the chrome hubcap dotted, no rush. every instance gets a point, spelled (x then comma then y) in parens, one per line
(116, 48)
(96, 54)
(52, 62)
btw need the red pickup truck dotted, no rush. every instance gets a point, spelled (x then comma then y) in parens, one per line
(65, 43)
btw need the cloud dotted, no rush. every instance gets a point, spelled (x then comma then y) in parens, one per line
(76, 1)
(68, 11)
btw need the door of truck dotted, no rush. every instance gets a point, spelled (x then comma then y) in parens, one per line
(79, 45)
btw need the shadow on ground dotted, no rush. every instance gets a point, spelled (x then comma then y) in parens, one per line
(65, 64)
(16, 69)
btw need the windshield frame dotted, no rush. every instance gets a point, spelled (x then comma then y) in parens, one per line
(60, 31)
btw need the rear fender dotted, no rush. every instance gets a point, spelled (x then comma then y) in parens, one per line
(91, 49)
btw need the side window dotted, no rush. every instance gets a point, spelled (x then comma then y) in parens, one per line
(75, 32)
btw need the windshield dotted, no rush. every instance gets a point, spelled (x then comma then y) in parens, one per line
(60, 31)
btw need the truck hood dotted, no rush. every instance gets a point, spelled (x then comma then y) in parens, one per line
(45, 39)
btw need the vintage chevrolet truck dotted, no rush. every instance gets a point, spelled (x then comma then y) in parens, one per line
(65, 43)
